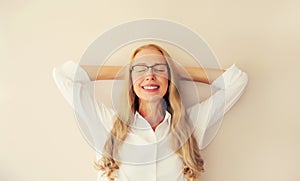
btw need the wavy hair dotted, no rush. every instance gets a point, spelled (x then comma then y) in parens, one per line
(183, 140)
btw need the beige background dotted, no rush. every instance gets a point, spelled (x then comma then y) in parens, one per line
(259, 137)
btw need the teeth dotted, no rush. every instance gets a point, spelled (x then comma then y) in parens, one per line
(150, 87)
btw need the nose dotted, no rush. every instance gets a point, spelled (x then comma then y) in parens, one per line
(150, 74)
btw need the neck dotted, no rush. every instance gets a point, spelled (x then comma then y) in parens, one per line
(152, 112)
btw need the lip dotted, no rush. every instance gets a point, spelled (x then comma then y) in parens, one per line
(150, 87)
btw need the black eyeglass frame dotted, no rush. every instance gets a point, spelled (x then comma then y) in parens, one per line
(150, 66)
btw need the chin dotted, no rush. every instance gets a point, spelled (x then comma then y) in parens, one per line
(151, 98)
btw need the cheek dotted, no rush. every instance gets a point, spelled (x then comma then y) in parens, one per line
(165, 85)
(135, 89)
(136, 80)
(136, 84)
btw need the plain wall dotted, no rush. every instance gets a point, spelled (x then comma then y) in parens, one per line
(259, 137)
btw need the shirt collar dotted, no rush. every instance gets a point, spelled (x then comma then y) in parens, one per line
(141, 123)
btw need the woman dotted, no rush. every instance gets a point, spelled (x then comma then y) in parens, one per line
(153, 113)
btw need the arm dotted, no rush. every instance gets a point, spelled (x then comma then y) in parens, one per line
(103, 72)
(204, 75)
(208, 114)
(95, 119)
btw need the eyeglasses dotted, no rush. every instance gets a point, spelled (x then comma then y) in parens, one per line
(156, 68)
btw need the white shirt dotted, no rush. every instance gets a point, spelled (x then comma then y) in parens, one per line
(146, 154)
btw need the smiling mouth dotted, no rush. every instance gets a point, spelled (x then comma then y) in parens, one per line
(150, 87)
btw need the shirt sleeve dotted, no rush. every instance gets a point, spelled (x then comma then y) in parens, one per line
(95, 120)
(208, 115)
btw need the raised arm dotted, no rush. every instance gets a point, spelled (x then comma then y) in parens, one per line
(205, 75)
(103, 72)
(226, 91)
(95, 119)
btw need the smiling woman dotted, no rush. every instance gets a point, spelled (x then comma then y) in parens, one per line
(152, 113)
(149, 74)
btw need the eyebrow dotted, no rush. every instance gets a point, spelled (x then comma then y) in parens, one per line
(145, 62)
(139, 64)
(149, 65)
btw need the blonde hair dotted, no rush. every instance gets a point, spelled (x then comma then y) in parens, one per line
(183, 141)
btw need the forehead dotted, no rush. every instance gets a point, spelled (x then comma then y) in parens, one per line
(149, 56)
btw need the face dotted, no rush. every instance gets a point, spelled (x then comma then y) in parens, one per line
(149, 84)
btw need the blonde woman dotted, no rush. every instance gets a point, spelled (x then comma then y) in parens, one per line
(152, 114)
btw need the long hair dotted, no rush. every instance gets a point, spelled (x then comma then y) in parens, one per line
(183, 141)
